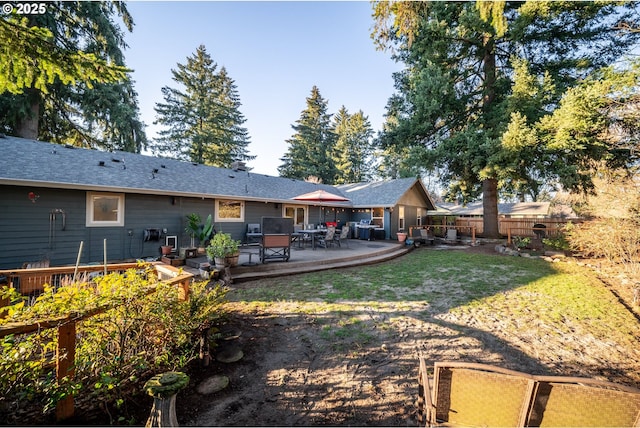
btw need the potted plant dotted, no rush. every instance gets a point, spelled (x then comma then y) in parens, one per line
(196, 229)
(193, 227)
(222, 249)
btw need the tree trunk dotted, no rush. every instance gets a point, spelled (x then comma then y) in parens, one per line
(489, 185)
(490, 208)
(28, 126)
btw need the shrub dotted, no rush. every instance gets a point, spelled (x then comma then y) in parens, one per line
(616, 240)
(141, 334)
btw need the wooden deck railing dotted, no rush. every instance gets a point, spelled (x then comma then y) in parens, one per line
(66, 325)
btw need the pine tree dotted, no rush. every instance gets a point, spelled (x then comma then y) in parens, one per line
(63, 77)
(459, 92)
(202, 120)
(353, 149)
(311, 147)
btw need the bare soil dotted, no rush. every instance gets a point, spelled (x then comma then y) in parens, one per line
(356, 365)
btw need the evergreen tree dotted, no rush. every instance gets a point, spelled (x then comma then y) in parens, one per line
(63, 77)
(311, 147)
(353, 149)
(202, 120)
(459, 93)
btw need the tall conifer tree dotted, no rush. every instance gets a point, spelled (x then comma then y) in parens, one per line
(353, 149)
(202, 120)
(459, 95)
(311, 147)
(63, 79)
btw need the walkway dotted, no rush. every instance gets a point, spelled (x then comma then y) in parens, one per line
(354, 253)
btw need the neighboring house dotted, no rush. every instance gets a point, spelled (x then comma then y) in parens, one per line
(509, 210)
(57, 196)
(505, 210)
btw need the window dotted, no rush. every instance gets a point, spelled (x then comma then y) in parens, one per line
(419, 216)
(228, 210)
(377, 216)
(299, 215)
(105, 209)
(401, 217)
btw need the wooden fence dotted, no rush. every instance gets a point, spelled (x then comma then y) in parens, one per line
(34, 279)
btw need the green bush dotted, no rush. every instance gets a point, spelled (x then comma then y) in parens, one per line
(142, 334)
(557, 243)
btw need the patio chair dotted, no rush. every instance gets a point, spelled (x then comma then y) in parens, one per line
(326, 239)
(469, 394)
(425, 237)
(451, 237)
(581, 402)
(344, 233)
(253, 234)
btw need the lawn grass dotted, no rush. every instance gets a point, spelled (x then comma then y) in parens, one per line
(461, 304)
(507, 296)
(418, 276)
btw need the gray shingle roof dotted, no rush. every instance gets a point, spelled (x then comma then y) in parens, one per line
(383, 193)
(29, 162)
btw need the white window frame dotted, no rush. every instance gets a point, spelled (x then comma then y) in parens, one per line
(401, 217)
(304, 208)
(219, 219)
(420, 216)
(381, 219)
(90, 222)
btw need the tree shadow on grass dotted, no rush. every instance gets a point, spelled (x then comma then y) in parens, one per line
(354, 363)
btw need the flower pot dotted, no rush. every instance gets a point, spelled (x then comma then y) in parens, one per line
(232, 260)
(166, 249)
(221, 262)
(402, 237)
(172, 260)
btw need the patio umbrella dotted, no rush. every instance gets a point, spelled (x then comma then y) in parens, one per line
(321, 196)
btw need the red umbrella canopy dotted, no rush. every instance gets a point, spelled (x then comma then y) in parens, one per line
(321, 196)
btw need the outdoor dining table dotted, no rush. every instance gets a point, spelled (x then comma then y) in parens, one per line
(313, 233)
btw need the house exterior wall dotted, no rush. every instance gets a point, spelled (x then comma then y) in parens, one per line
(411, 201)
(27, 233)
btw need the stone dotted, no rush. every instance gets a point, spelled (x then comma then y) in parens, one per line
(555, 254)
(213, 384)
(229, 354)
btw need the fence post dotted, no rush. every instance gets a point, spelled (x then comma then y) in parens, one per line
(509, 236)
(183, 290)
(65, 362)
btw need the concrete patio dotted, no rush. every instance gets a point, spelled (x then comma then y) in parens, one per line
(353, 252)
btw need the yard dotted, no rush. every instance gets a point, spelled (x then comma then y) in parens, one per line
(341, 347)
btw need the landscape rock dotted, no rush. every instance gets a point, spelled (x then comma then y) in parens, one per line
(212, 384)
(229, 354)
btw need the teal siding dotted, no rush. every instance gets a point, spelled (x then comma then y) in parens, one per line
(27, 234)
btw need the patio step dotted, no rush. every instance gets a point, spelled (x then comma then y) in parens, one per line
(270, 270)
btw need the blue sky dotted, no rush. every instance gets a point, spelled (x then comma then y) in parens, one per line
(275, 52)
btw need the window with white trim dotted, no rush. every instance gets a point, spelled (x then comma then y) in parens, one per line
(377, 216)
(419, 216)
(401, 217)
(229, 210)
(105, 209)
(297, 213)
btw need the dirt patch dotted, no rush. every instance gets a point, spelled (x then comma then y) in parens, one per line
(355, 364)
